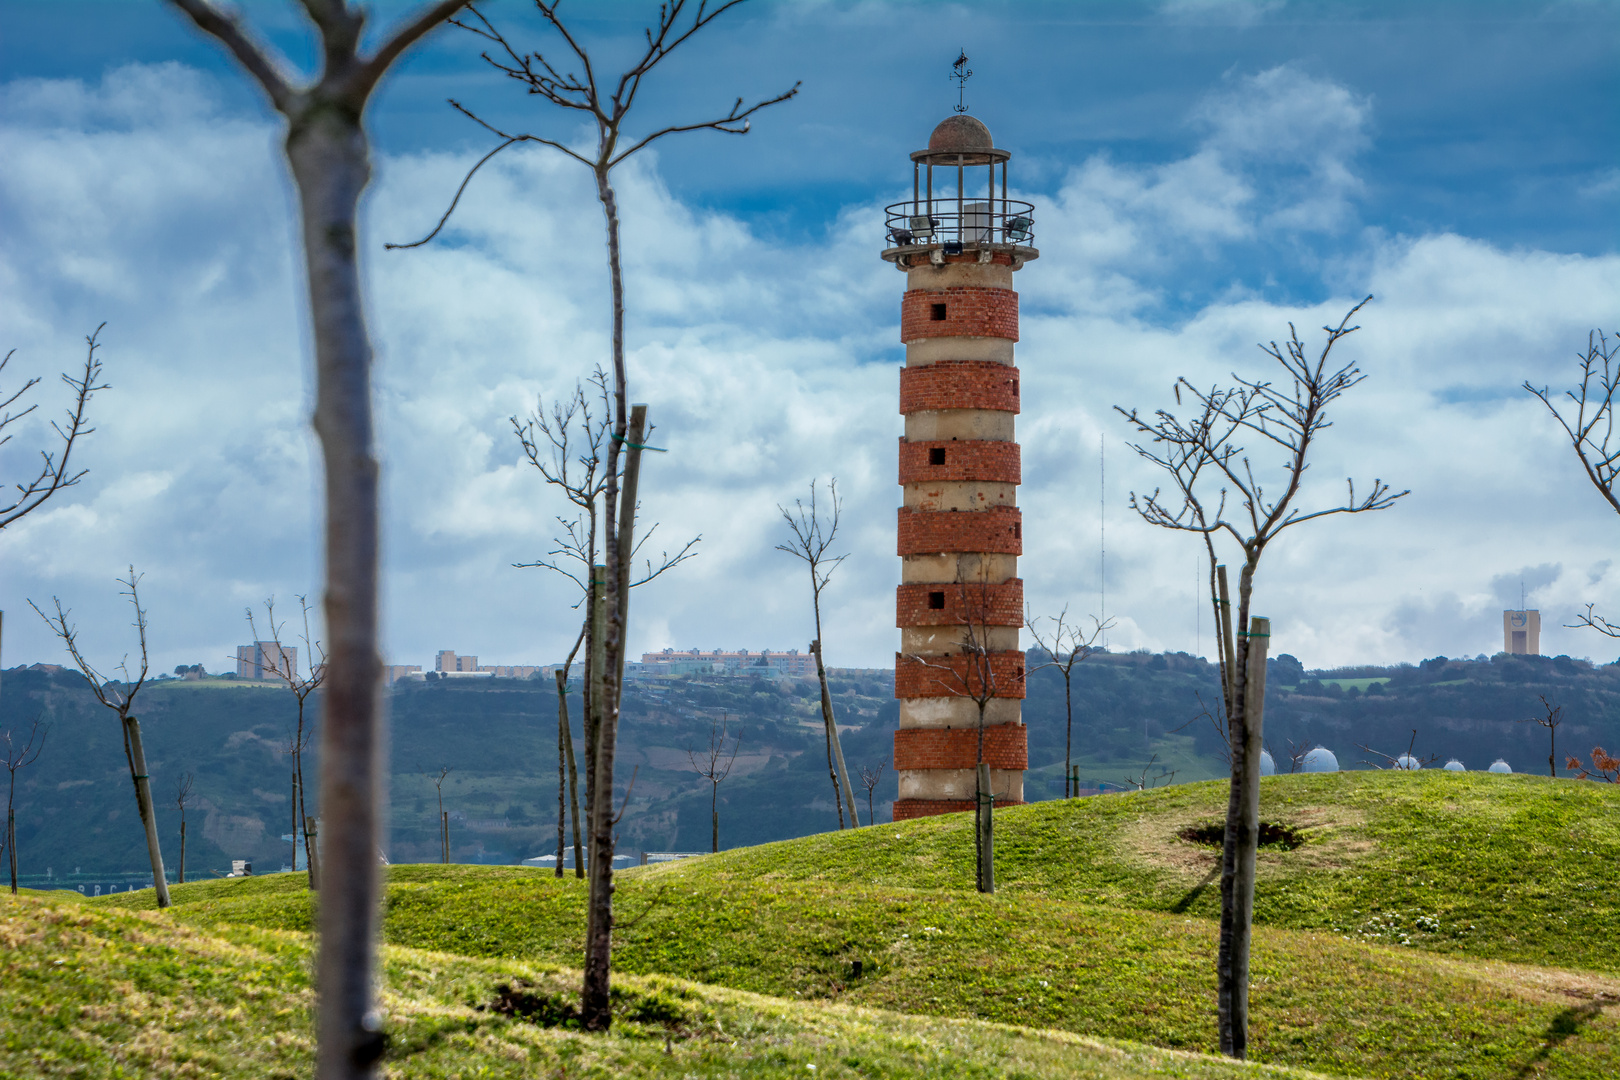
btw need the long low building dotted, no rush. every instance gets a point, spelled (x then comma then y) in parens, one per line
(720, 662)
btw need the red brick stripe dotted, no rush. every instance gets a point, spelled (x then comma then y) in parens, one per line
(957, 676)
(970, 311)
(959, 384)
(988, 605)
(997, 531)
(905, 809)
(987, 460)
(1006, 746)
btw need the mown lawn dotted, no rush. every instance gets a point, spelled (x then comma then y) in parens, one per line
(1398, 940)
(1518, 868)
(1320, 1001)
(91, 992)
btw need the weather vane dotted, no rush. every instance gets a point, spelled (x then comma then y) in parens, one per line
(960, 72)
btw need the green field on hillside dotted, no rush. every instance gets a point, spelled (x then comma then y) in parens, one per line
(89, 992)
(1104, 924)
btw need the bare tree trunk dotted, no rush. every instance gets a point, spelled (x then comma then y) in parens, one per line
(1242, 840)
(562, 771)
(573, 799)
(295, 817)
(143, 800)
(444, 837)
(594, 695)
(595, 1005)
(595, 813)
(986, 799)
(310, 861)
(182, 880)
(842, 792)
(1223, 631)
(327, 151)
(11, 846)
(312, 847)
(1069, 789)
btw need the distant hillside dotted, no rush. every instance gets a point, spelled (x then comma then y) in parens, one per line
(75, 808)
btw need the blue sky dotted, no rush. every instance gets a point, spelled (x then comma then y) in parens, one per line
(1204, 173)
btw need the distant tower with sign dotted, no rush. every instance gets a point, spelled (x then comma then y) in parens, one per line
(1521, 633)
(959, 239)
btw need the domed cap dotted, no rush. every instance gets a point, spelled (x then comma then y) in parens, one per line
(1407, 761)
(1321, 759)
(1455, 766)
(1500, 766)
(1268, 767)
(964, 135)
(961, 134)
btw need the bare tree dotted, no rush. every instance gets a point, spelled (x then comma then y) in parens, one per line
(813, 536)
(182, 795)
(54, 474)
(577, 90)
(1296, 756)
(444, 819)
(1409, 760)
(1142, 781)
(713, 769)
(1204, 452)
(1551, 716)
(869, 780)
(328, 153)
(302, 686)
(17, 756)
(1067, 646)
(120, 698)
(1591, 433)
(571, 459)
(976, 672)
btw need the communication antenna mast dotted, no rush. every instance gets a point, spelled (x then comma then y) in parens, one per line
(1102, 532)
(960, 72)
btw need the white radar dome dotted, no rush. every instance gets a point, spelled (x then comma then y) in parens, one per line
(1500, 766)
(1407, 761)
(1455, 766)
(1268, 767)
(1321, 759)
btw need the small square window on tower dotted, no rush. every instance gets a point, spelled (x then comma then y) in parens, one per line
(936, 312)
(936, 455)
(936, 601)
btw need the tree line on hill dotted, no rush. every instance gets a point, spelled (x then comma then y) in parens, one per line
(497, 736)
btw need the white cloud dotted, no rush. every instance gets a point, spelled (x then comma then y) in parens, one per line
(765, 365)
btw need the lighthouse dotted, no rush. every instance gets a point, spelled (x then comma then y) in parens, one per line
(959, 674)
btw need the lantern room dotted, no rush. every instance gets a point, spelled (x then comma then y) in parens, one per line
(959, 202)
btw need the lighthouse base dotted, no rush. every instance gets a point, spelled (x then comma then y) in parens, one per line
(904, 809)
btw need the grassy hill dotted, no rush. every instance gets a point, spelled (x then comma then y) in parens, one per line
(92, 992)
(1429, 925)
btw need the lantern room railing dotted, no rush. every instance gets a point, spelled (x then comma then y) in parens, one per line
(959, 224)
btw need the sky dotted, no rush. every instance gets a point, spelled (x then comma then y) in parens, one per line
(1204, 174)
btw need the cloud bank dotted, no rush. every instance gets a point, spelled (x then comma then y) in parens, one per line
(134, 199)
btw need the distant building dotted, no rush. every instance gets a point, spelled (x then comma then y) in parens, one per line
(395, 672)
(263, 659)
(1521, 633)
(447, 660)
(672, 663)
(512, 671)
